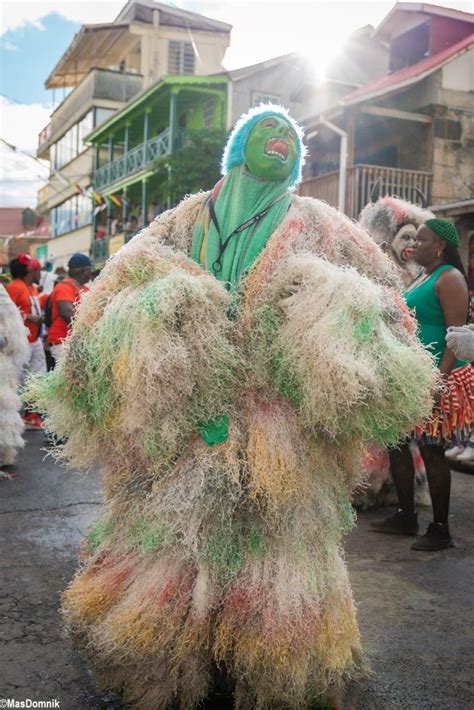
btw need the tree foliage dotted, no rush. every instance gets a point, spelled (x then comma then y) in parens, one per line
(194, 166)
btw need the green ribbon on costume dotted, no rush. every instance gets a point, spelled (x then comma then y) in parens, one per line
(241, 197)
(215, 431)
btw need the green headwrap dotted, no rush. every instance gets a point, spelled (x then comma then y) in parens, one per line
(444, 229)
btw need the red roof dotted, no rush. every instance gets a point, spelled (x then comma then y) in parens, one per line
(385, 29)
(11, 220)
(408, 75)
(11, 223)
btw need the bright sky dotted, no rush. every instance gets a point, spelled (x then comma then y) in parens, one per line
(35, 33)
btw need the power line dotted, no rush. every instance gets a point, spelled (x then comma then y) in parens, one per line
(55, 170)
(23, 152)
(58, 121)
(16, 101)
(19, 151)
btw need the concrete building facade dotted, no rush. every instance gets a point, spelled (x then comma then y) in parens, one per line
(105, 66)
(410, 131)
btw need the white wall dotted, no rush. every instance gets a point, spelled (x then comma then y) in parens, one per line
(60, 249)
(458, 75)
(79, 170)
(211, 47)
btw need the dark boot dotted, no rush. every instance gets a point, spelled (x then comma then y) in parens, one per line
(437, 537)
(399, 524)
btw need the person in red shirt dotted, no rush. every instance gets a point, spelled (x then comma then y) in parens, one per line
(26, 273)
(43, 297)
(64, 299)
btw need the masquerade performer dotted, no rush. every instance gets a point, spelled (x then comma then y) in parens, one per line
(226, 370)
(13, 354)
(392, 223)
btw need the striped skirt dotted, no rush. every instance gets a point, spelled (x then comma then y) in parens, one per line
(452, 419)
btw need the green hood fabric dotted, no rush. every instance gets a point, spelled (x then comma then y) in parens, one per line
(241, 197)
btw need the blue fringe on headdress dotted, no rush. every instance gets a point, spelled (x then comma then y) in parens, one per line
(234, 152)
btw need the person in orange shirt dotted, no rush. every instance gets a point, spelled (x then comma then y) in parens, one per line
(64, 299)
(43, 297)
(23, 291)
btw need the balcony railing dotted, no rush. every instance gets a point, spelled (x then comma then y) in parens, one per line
(44, 135)
(134, 160)
(360, 182)
(115, 86)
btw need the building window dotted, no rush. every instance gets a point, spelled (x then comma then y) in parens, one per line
(71, 144)
(208, 113)
(71, 214)
(410, 47)
(102, 114)
(262, 97)
(65, 148)
(180, 58)
(84, 127)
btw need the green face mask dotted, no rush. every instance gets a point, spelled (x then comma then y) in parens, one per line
(270, 153)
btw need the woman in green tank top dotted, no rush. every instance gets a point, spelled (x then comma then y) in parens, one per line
(423, 297)
(439, 299)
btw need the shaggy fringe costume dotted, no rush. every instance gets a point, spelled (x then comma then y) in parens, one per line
(384, 220)
(230, 555)
(13, 354)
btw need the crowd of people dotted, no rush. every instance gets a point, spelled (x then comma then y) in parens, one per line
(36, 309)
(129, 225)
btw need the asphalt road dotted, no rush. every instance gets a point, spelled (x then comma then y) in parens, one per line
(415, 609)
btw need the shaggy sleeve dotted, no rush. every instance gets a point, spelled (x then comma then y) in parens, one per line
(328, 233)
(357, 249)
(150, 356)
(343, 351)
(13, 331)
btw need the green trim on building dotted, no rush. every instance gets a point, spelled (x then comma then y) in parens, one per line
(176, 83)
(137, 177)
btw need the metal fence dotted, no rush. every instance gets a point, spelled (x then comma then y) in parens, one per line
(361, 181)
(134, 160)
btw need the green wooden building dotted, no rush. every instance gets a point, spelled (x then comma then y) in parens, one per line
(150, 126)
